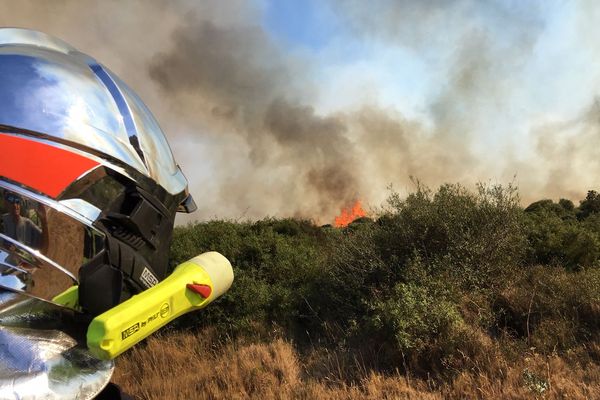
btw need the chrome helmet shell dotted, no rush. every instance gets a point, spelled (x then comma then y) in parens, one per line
(50, 88)
(85, 158)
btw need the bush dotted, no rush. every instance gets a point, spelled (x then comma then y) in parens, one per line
(415, 317)
(551, 308)
(558, 238)
(414, 285)
(473, 237)
(275, 263)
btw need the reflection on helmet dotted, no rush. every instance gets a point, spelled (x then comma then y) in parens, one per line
(88, 183)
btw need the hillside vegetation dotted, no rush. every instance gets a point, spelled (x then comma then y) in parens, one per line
(443, 294)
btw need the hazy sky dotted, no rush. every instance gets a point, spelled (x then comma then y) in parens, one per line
(297, 108)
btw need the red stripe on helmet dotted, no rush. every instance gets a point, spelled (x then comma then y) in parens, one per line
(40, 166)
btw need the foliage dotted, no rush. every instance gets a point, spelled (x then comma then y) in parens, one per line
(417, 283)
(416, 316)
(590, 205)
(274, 261)
(557, 237)
(473, 237)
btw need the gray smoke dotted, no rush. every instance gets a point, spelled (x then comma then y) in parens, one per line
(241, 114)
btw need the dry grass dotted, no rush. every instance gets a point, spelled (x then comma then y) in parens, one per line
(197, 366)
(535, 377)
(193, 366)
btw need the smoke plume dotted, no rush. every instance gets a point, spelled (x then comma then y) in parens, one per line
(244, 118)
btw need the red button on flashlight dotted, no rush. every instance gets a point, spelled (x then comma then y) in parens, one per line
(202, 290)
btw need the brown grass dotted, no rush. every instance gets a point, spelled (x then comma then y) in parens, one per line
(200, 366)
(195, 366)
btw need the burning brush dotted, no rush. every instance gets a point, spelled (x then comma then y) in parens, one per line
(349, 214)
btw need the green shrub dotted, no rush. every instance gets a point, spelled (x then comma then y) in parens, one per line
(553, 309)
(275, 263)
(416, 283)
(560, 239)
(415, 316)
(474, 237)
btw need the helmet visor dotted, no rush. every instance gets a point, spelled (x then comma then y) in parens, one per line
(43, 244)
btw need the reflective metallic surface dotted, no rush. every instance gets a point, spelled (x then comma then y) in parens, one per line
(40, 355)
(83, 208)
(42, 248)
(48, 87)
(24, 270)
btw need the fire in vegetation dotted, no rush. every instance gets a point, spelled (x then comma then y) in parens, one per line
(349, 214)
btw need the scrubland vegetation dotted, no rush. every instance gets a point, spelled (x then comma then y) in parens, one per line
(443, 294)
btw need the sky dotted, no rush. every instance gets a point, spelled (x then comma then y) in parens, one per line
(298, 108)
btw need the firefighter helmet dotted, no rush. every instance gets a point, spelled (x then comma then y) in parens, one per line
(88, 183)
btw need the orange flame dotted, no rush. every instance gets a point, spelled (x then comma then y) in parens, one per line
(349, 214)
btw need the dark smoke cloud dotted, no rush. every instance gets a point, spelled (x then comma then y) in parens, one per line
(321, 150)
(241, 111)
(237, 75)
